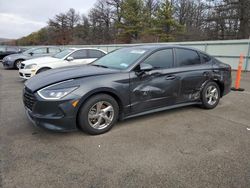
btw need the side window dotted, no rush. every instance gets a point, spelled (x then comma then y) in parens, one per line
(161, 59)
(80, 54)
(95, 54)
(12, 49)
(205, 57)
(40, 51)
(54, 50)
(187, 57)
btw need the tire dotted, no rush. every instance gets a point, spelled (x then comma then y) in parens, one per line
(42, 70)
(92, 117)
(17, 63)
(210, 95)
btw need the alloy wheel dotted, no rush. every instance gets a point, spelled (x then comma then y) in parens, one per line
(212, 95)
(101, 115)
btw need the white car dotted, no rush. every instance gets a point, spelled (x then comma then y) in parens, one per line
(67, 57)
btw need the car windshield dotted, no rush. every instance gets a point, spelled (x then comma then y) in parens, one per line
(26, 52)
(63, 53)
(120, 59)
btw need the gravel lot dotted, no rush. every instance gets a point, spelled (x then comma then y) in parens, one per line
(186, 147)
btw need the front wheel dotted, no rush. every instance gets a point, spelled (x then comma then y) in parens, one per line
(210, 96)
(18, 64)
(98, 114)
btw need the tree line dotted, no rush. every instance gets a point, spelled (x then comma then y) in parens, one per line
(133, 21)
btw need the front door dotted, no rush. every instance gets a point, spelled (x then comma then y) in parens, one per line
(157, 87)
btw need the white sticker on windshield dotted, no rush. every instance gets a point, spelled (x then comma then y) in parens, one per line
(123, 65)
(138, 51)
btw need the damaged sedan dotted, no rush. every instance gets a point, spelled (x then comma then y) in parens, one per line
(128, 82)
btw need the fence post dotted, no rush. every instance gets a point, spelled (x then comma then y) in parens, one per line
(248, 54)
(206, 47)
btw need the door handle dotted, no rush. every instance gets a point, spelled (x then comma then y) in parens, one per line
(170, 77)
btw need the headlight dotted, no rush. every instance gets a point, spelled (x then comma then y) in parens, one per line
(31, 66)
(55, 94)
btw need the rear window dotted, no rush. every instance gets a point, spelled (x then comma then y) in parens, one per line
(205, 58)
(95, 54)
(186, 57)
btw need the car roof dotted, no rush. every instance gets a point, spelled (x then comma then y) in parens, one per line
(85, 49)
(159, 46)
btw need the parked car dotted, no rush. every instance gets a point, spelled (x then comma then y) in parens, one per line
(125, 83)
(67, 57)
(8, 50)
(14, 60)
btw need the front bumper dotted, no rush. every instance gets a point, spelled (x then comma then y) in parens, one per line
(26, 73)
(63, 124)
(52, 115)
(8, 64)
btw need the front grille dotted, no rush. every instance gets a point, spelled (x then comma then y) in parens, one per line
(22, 66)
(29, 98)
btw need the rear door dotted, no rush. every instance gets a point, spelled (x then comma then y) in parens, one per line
(192, 71)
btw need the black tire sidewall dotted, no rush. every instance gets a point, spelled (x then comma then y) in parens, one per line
(16, 62)
(203, 95)
(82, 118)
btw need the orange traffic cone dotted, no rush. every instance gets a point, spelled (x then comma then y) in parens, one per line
(238, 76)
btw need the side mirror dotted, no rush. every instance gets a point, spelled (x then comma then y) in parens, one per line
(69, 58)
(145, 67)
(31, 53)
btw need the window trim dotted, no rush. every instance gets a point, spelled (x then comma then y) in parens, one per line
(176, 62)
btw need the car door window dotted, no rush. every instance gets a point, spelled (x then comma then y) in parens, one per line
(54, 50)
(80, 54)
(95, 54)
(187, 57)
(205, 57)
(161, 59)
(40, 51)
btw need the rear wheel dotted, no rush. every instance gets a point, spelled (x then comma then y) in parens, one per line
(98, 114)
(42, 70)
(18, 64)
(210, 96)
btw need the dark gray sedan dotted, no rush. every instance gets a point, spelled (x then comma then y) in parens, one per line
(125, 83)
(14, 60)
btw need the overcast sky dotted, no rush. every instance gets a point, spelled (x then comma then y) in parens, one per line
(21, 17)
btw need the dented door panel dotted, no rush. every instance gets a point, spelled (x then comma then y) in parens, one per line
(153, 89)
(192, 78)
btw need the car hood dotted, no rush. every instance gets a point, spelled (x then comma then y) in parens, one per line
(41, 60)
(61, 74)
(17, 56)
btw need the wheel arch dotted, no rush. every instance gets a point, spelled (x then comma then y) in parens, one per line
(219, 83)
(43, 68)
(108, 91)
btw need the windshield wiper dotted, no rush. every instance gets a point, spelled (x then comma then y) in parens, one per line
(103, 66)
